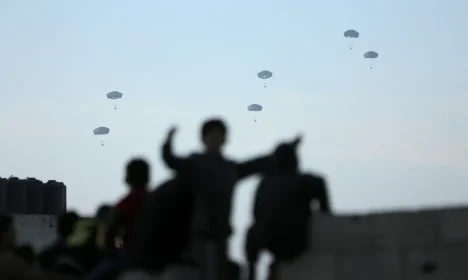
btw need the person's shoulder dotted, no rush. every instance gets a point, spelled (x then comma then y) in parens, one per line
(231, 161)
(124, 200)
(130, 198)
(194, 156)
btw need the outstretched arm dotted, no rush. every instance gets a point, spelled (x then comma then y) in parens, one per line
(260, 164)
(254, 166)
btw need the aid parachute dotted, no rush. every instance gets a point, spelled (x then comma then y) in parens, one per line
(114, 95)
(255, 108)
(371, 55)
(101, 131)
(351, 35)
(264, 75)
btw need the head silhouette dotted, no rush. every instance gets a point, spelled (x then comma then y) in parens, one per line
(213, 135)
(66, 224)
(138, 173)
(103, 212)
(286, 158)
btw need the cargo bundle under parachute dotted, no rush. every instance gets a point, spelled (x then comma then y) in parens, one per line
(100, 131)
(255, 108)
(114, 95)
(351, 35)
(371, 55)
(264, 75)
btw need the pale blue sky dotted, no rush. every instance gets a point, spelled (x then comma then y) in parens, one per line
(395, 136)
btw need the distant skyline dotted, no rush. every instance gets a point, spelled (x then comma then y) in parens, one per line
(392, 137)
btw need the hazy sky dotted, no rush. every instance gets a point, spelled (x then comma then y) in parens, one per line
(391, 137)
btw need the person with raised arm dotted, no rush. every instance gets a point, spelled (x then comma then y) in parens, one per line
(213, 179)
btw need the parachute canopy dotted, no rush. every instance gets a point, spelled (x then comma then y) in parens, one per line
(101, 130)
(255, 108)
(114, 95)
(265, 74)
(351, 34)
(371, 54)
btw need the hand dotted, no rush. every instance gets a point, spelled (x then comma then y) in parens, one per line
(170, 134)
(297, 140)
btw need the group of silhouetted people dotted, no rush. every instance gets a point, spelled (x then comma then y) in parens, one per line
(180, 229)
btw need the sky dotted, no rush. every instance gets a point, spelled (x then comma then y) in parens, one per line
(394, 137)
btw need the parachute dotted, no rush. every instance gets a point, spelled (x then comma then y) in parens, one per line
(101, 131)
(255, 108)
(371, 55)
(264, 75)
(353, 34)
(114, 95)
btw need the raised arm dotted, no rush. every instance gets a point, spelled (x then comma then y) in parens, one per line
(175, 163)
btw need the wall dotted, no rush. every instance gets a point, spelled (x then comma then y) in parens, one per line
(429, 245)
(37, 230)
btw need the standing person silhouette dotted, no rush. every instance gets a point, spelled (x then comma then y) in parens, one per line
(124, 213)
(282, 209)
(212, 178)
(122, 217)
(66, 223)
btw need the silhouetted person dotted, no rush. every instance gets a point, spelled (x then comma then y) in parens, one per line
(234, 270)
(122, 219)
(65, 225)
(81, 254)
(213, 179)
(282, 209)
(109, 266)
(161, 233)
(103, 213)
(103, 218)
(123, 216)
